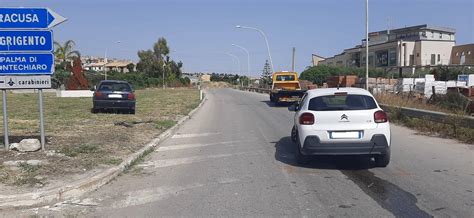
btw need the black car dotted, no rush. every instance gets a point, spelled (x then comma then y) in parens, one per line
(115, 95)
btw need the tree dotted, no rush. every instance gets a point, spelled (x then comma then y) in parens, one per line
(266, 74)
(65, 53)
(156, 62)
(131, 67)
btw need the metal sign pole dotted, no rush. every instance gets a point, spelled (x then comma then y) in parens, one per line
(5, 121)
(41, 111)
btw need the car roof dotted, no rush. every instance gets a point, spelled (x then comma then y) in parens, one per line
(331, 91)
(113, 81)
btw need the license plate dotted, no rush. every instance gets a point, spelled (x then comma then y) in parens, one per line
(115, 96)
(345, 135)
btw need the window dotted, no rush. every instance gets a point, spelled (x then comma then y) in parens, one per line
(342, 102)
(111, 86)
(285, 78)
(433, 59)
(457, 54)
(412, 60)
(392, 57)
(468, 52)
(417, 54)
(439, 57)
(440, 35)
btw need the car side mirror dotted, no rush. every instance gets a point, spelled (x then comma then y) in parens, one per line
(294, 107)
(93, 88)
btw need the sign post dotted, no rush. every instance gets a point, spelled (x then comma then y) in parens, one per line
(5, 120)
(26, 55)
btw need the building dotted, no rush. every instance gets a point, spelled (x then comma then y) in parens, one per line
(206, 78)
(316, 59)
(101, 64)
(414, 46)
(120, 66)
(463, 55)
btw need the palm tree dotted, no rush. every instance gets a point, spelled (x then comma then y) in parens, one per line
(65, 53)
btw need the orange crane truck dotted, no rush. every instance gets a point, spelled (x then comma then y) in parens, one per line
(285, 87)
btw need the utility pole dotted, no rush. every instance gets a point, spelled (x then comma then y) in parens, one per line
(293, 60)
(367, 44)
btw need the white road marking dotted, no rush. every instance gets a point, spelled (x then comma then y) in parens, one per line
(185, 146)
(188, 160)
(192, 135)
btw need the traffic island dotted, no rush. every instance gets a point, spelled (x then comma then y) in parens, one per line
(84, 150)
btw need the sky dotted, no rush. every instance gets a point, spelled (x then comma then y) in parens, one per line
(200, 33)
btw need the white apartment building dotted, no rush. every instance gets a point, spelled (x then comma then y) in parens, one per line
(415, 46)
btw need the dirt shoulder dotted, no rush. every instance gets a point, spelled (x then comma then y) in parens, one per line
(80, 143)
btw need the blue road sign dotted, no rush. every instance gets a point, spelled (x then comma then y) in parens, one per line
(37, 64)
(29, 18)
(26, 40)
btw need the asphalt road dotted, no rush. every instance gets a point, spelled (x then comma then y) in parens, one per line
(235, 158)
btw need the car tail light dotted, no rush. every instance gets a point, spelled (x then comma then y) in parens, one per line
(131, 96)
(307, 119)
(380, 117)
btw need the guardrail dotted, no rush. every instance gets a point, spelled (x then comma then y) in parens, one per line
(434, 116)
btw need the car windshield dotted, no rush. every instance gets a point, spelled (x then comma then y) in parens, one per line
(342, 102)
(114, 87)
(285, 78)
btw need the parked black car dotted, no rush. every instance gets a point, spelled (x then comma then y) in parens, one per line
(115, 95)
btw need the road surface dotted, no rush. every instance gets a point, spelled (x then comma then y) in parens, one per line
(235, 158)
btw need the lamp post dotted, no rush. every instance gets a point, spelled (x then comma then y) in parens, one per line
(264, 37)
(164, 68)
(248, 57)
(105, 60)
(367, 44)
(235, 58)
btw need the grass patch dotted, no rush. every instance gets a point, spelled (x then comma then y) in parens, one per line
(139, 160)
(427, 127)
(27, 175)
(164, 124)
(113, 161)
(91, 139)
(81, 149)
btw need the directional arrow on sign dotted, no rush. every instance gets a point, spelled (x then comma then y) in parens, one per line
(29, 18)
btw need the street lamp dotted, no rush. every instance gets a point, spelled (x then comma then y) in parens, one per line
(367, 44)
(105, 59)
(264, 37)
(235, 58)
(248, 57)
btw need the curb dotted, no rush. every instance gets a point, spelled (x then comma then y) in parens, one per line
(86, 185)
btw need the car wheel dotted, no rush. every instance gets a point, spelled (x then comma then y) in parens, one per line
(382, 160)
(293, 134)
(300, 157)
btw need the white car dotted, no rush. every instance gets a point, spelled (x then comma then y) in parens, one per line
(340, 121)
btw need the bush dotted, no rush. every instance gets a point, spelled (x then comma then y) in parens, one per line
(319, 74)
(60, 77)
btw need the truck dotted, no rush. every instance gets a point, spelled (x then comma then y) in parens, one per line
(285, 87)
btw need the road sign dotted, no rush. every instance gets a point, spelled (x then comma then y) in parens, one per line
(26, 40)
(29, 18)
(26, 63)
(25, 82)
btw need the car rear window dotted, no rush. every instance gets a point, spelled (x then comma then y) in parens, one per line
(342, 102)
(285, 78)
(114, 87)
